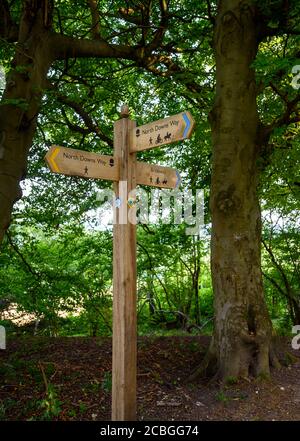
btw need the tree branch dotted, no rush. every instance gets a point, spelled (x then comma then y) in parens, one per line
(160, 32)
(279, 268)
(210, 13)
(69, 47)
(87, 119)
(291, 115)
(273, 281)
(18, 252)
(95, 30)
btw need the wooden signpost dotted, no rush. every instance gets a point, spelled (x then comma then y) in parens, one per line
(72, 162)
(120, 168)
(162, 132)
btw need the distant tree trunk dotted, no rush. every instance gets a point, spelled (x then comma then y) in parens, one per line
(241, 342)
(150, 292)
(196, 293)
(196, 275)
(288, 292)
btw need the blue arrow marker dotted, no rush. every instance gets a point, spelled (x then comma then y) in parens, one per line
(188, 125)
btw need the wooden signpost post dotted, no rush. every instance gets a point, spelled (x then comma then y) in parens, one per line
(124, 168)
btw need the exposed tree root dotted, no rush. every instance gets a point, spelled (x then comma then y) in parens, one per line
(274, 362)
(258, 366)
(207, 368)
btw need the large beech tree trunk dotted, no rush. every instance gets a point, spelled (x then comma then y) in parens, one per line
(20, 105)
(242, 336)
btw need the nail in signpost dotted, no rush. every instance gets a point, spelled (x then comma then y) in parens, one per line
(123, 166)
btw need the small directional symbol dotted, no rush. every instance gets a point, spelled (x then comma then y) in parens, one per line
(118, 202)
(158, 140)
(131, 202)
(189, 124)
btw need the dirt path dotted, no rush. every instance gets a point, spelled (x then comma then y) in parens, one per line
(77, 374)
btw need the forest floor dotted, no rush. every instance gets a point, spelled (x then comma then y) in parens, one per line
(77, 373)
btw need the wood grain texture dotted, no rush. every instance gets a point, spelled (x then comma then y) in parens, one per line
(157, 176)
(73, 162)
(124, 280)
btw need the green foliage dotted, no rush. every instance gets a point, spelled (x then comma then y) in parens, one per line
(82, 408)
(221, 396)
(107, 381)
(50, 405)
(5, 406)
(230, 381)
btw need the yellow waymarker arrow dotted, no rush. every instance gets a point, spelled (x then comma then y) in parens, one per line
(50, 157)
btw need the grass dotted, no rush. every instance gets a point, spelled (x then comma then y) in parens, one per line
(50, 405)
(221, 396)
(231, 380)
(107, 381)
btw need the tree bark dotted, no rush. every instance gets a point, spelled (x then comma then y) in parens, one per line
(20, 105)
(241, 342)
(196, 277)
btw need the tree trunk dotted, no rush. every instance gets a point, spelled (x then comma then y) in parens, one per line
(20, 105)
(242, 335)
(196, 276)
(150, 292)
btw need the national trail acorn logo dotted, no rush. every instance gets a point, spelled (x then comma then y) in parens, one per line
(131, 202)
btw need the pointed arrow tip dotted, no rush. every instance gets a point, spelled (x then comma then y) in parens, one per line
(189, 121)
(50, 158)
